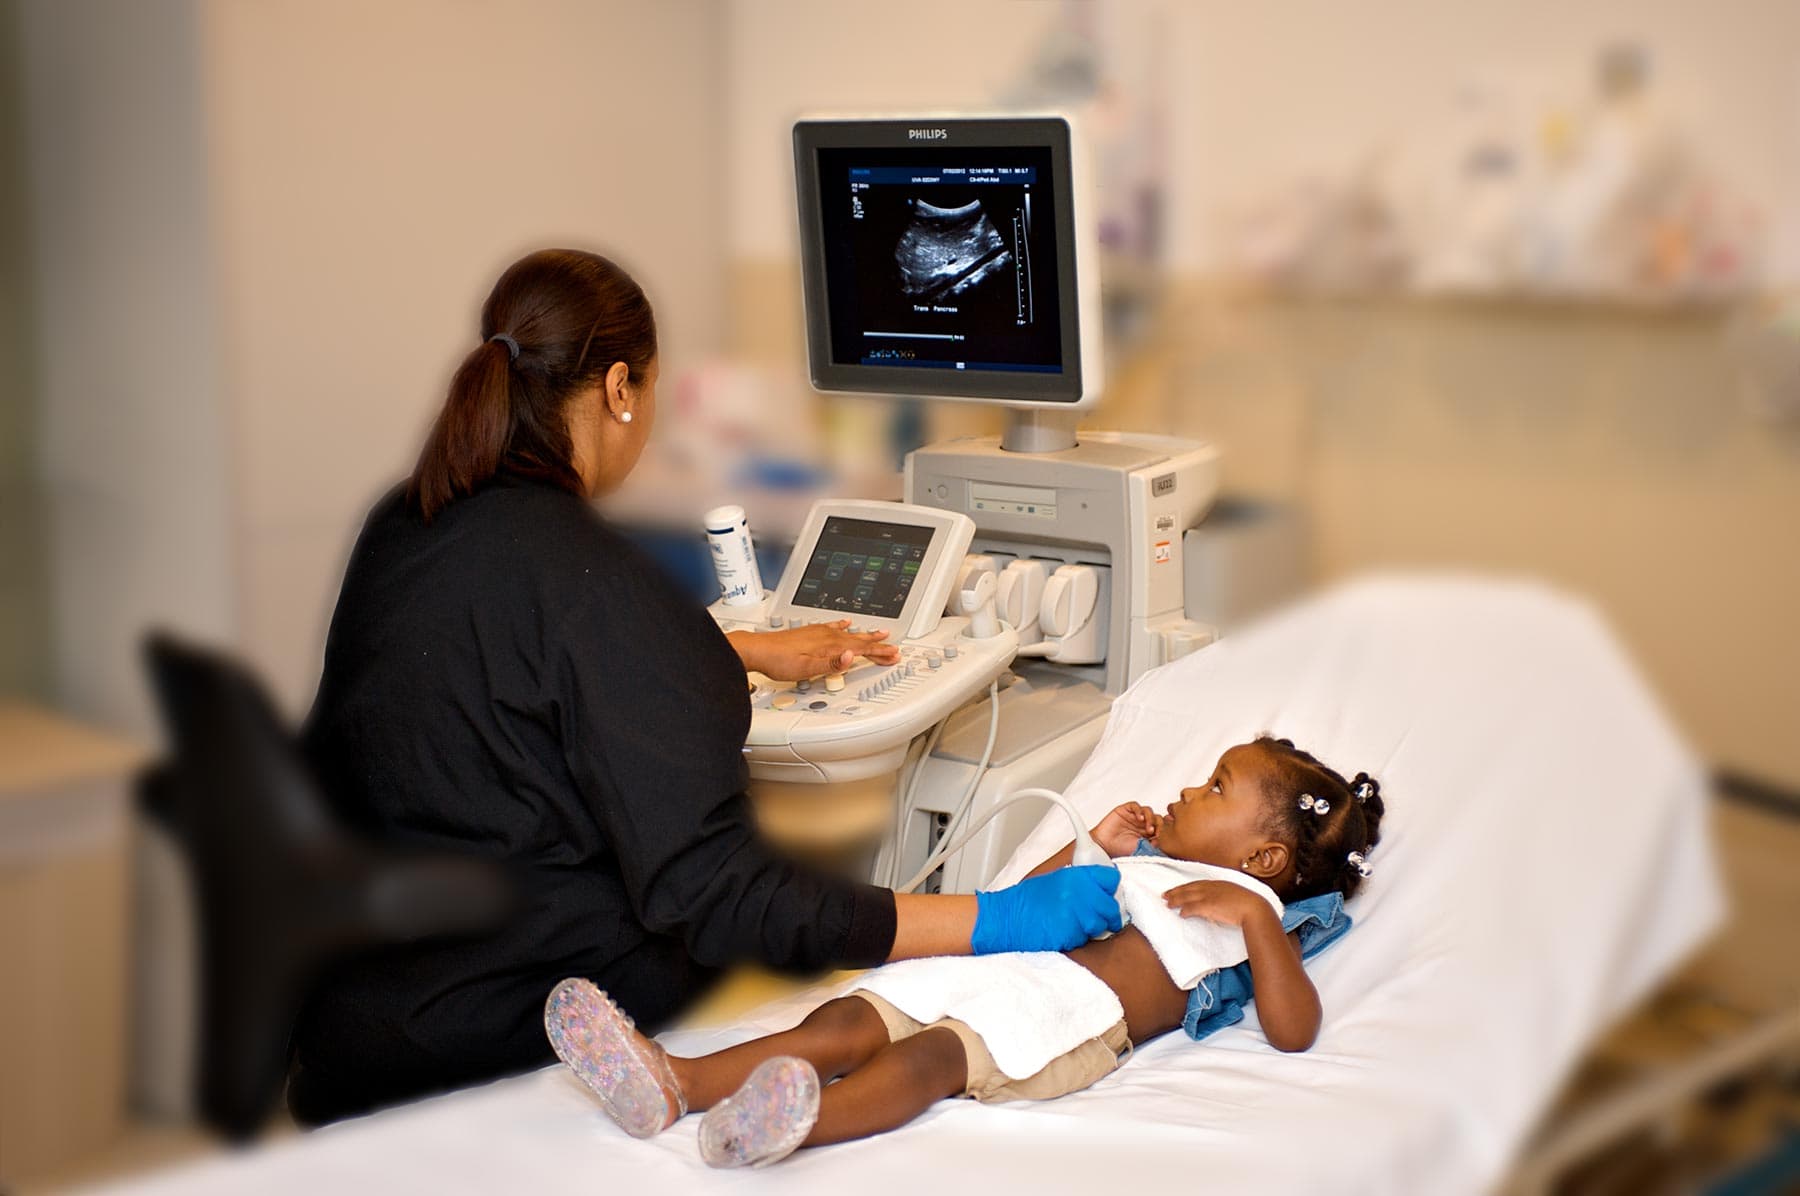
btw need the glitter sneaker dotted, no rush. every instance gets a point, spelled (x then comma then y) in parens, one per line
(766, 1119)
(629, 1073)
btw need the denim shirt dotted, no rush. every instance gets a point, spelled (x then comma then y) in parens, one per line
(1219, 999)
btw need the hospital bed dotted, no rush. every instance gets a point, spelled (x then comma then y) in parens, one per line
(1545, 861)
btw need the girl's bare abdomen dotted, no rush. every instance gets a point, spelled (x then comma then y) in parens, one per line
(1127, 964)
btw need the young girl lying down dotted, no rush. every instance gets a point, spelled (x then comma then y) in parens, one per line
(1271, 822)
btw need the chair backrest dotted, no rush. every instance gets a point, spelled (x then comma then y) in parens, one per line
(283, 888)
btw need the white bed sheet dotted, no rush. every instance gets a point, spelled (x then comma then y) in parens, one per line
(1545, 859)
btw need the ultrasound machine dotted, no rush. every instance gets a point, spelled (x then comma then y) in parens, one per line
(956, 259)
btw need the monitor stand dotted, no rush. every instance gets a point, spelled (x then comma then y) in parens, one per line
(1038, 430)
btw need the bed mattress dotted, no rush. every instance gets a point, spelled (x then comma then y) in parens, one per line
(1545, 860)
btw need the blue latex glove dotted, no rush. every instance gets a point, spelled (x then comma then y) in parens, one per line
(1053, 912)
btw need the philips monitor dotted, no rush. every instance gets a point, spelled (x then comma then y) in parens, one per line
(949, 258)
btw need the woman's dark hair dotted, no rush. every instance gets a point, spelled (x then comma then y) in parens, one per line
(553, 325)
(1324, 842)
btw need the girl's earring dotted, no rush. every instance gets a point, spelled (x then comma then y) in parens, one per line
(625, 417)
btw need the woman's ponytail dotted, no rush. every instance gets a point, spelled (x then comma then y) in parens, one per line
(555, 322)
(471, 433)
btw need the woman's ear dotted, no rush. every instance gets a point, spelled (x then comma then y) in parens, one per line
(617, 402)
(1268, 861)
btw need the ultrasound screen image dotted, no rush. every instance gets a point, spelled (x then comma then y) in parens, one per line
(941, 258)
(948, 252)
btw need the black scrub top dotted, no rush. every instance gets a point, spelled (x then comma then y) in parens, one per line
(517, 679)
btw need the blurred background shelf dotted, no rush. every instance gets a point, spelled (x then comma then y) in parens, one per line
(64, 969)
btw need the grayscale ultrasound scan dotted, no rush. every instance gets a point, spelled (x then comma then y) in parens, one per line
(947, 252)
(942, 259)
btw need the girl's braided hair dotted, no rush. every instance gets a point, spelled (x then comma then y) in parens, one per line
(1331, 849)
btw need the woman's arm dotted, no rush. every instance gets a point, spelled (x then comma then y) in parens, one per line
(1044, 913)
(932, 924)
(1287, 1004)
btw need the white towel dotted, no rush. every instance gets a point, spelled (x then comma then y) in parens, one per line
(1032, 1007)
(1028, 1007)
(1189, 948)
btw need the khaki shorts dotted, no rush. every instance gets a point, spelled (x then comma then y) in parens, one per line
(1092, 1060)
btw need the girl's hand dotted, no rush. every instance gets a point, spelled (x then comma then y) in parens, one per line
(1217, 901)
(799, 653)
(1118, 833)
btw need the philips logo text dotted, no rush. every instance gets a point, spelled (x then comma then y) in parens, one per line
(927, 134)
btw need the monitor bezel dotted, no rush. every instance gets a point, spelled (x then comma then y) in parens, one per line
(1072, 389)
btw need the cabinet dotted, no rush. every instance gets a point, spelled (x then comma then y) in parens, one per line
(64, 816)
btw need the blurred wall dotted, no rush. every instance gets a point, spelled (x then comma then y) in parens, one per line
(793, 57)
(1257, 94)
(24, 584)
(131, 436)
(1265, 90)
(286, 215)
(1610, 451)
(374, 167)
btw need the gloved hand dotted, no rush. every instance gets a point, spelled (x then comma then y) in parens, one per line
(1053, 912)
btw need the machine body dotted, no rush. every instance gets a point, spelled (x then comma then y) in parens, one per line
(955, 257)
(885, 566)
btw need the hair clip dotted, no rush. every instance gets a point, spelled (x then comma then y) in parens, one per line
(1317, 805)
(1360, 862)
(1364, 791)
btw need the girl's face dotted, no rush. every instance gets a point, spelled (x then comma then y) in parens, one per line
(1221, 821)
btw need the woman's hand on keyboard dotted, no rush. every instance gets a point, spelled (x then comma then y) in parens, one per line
(798, 653)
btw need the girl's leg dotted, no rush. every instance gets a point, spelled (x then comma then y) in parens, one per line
(835, 1038)
(781, 1105)
(900, 1082)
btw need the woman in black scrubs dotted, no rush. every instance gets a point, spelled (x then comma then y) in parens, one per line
(506, 674)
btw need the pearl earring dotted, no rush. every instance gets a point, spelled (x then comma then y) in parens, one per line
(625, 417)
